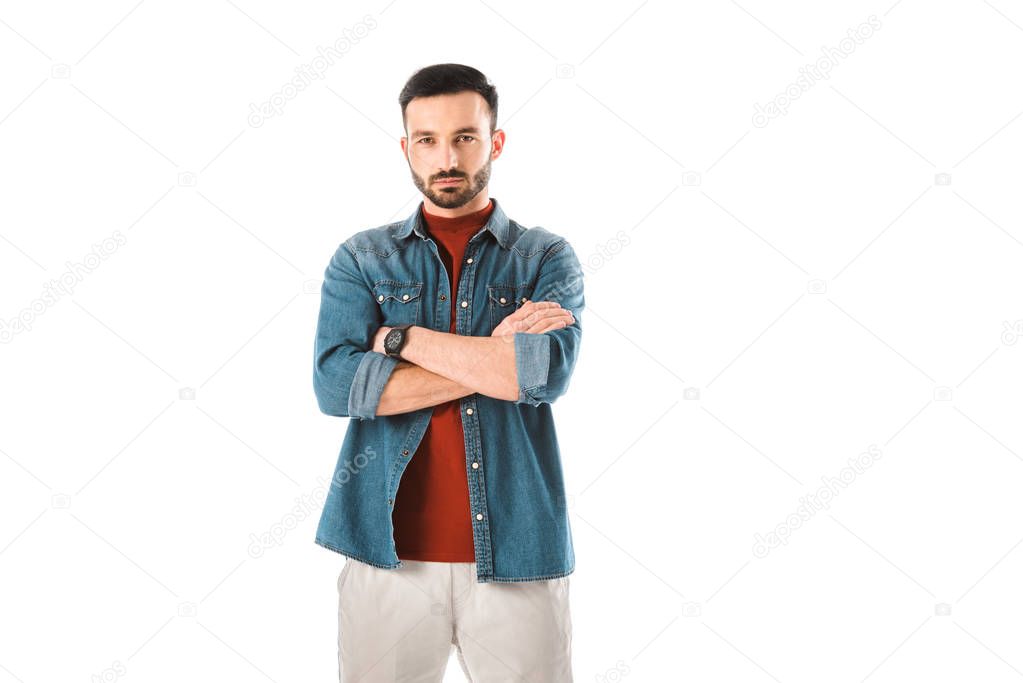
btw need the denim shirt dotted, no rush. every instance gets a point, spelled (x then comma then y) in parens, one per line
(393, 274)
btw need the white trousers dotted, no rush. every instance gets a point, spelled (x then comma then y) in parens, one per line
(400, 625)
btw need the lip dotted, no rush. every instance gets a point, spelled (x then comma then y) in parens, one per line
(449, 181)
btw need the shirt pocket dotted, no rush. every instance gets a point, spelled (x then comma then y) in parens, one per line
(503, 300)
(398, 301)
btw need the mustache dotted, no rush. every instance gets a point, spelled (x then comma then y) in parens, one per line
(448, 177)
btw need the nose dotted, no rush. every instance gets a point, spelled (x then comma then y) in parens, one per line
(449, 157)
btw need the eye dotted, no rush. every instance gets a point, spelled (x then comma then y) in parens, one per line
(468, 136)
(424, 139)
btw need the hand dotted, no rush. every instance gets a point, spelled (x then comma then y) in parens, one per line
(535, 317)
(378, 339)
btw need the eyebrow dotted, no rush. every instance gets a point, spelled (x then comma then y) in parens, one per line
(464, 129)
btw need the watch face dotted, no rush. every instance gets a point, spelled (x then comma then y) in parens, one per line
(392, 339)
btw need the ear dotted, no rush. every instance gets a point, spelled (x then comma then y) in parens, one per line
(497, 141)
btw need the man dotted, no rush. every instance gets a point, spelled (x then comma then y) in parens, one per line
(445, 337)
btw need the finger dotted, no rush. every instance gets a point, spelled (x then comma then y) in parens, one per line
(539, 304)
(544, 313)
(526, 310)
(545, 324)
(541, 327)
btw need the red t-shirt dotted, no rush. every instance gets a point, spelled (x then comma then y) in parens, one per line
(432, 517)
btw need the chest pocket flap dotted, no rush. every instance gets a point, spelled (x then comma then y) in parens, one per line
(505, 300)
(398, 301)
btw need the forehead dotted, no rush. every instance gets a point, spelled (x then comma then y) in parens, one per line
(440, 114)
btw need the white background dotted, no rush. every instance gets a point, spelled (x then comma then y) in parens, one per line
(764, 303)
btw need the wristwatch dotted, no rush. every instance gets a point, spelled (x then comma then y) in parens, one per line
(395, 340)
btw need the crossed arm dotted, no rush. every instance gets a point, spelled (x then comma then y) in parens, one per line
(527, 359)
(440, 367)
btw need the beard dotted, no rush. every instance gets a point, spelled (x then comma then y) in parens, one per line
(458, 195)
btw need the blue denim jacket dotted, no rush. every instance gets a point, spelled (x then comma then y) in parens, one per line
(393, 274)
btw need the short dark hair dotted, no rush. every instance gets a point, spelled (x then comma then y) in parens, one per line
(448, 79)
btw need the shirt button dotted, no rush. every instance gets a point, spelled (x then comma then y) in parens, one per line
(503, 300)
(404, 297)
(475, 465)
(443, 297)
(464, 304)
(405, 452)
(468, 411)
(523, 299)
(479, 516)
(380, 298)
(468, 260)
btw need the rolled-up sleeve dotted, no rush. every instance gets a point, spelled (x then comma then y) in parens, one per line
(544, 362)
(348, 377)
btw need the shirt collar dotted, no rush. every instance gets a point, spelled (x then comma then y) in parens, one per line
(498, 225)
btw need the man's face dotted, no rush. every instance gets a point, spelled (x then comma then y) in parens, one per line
(449, 139)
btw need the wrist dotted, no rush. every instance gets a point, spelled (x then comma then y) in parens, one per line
(412, 336)
(395, 341)
(420, 345)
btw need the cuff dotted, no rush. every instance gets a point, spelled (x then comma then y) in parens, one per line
(532, 364)
(368, 384)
